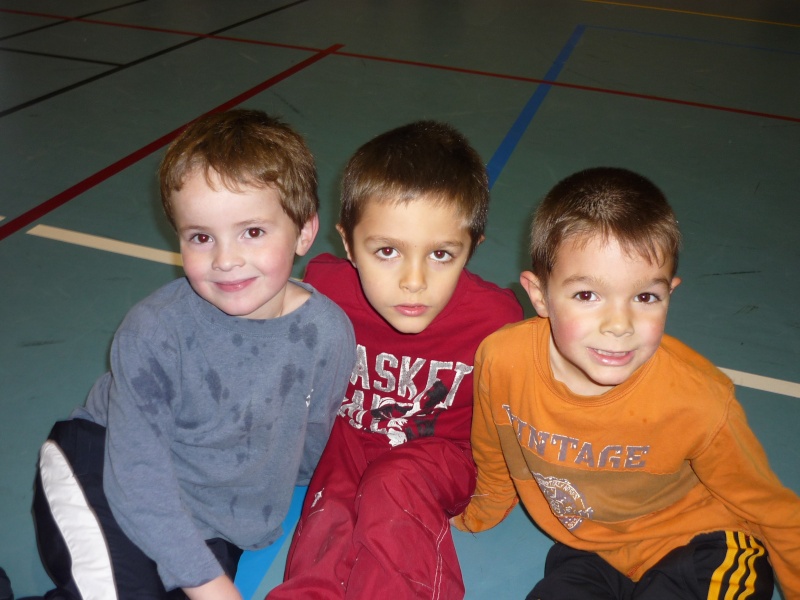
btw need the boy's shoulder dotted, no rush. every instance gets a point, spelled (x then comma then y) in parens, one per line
(160, 309)
(319, 308)
(693, 368)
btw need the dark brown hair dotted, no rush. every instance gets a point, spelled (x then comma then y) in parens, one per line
(425, 158)
(245, 148)
(610, 202)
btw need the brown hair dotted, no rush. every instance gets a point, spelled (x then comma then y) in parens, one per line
(609, 202)
(245, 148)
(425, 158)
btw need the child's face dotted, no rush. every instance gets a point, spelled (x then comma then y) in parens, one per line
(409, 258)
(238, 248)
(607, 312)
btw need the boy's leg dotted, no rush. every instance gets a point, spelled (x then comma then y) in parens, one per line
(722, 564)
(322, 553)
(571, 573)
(82, 547)
(402, 534)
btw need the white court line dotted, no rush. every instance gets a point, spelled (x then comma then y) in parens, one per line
(107, 244)
(756, 382)
(767, 384)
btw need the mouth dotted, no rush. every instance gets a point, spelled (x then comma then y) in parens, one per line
(612, 359)
(411, 310)
(233, 286)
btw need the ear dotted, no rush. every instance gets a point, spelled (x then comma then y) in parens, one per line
(676, 281)
(340, 229)
(535, 291)
(307, 235)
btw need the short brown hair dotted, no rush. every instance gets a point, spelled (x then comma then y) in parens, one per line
(610, 202)
(245, 148)
(425, 158)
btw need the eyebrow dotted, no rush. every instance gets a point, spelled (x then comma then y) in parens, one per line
(240, 224)
(387, 241)
(596, 281)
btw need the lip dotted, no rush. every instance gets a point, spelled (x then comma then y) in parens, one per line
(234, 286)
(411, 310)
(611, 359)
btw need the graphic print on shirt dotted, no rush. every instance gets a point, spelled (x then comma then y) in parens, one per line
(400, 398)
(566, 501)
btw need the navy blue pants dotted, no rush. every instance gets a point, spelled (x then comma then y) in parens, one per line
(709, 567)
(80, 566)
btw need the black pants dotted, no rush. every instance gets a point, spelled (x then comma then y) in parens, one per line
(68, 508)
(706, 568)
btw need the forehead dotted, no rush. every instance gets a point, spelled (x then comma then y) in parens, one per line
(408, 218)
(608, 259)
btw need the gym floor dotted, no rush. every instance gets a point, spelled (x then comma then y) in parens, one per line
(701, 96)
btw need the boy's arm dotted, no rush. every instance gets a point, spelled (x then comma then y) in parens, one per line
(139, 478)
(220, 588)
(735, 469)
(495, 494)
(329, 389)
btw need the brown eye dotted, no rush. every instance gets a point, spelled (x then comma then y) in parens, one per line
(386, 252)
(255, 232)
(201, 238)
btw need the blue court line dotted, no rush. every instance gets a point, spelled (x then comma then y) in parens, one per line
(254, 564)
(514, 135)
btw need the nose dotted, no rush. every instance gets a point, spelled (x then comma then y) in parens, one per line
(227, 257)
(412, 278)
(617, 320)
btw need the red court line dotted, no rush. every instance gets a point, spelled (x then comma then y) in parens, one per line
(576, 86)
(586, 88)
(44, 208)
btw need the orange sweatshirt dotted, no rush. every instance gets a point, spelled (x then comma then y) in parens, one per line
(630, 474)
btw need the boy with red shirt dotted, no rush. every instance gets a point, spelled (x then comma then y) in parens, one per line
(375, 523)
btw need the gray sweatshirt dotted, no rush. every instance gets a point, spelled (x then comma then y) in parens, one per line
(212, 420)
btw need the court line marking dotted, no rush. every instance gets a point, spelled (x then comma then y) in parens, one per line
(693, 13)
(750, 380)
(37, 212)
(106, 244)
(766, 384)
(509, 143)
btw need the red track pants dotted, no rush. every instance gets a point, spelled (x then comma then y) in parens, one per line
(375, 522)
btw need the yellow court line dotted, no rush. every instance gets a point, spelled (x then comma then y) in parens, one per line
(691, 12)
(767, 384)
(107, 244)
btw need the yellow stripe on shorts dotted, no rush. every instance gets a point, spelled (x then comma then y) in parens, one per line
(736, 575)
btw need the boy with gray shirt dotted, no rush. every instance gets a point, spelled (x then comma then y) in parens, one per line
(222, 390)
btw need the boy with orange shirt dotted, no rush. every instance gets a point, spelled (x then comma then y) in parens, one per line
(375, 523)
(624, 445)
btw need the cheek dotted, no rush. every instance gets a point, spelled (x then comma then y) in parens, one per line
(568, 330)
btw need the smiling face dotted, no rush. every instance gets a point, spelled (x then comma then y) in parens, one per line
(607, 311)
(409, 257)
(238, 247)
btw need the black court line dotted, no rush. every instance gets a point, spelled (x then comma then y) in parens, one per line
(61, 20)
(198, 38)
(46, 207)
(61, 57)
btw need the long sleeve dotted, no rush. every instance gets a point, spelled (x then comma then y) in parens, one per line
(139, 476)
(329, 391)
(495, 494)
(734, 468)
